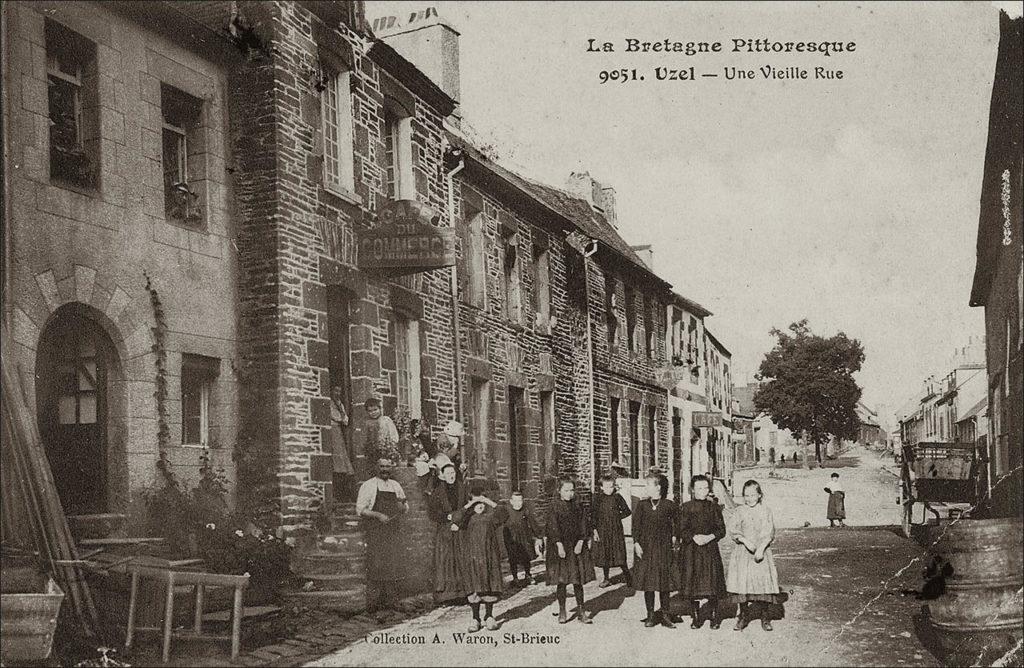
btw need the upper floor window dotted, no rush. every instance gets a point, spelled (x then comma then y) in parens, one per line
(399, 178)
(72, 101)
(513, 288)
(336, 113)
(631, 318)
(649, 320)
(475, 258)
(610, 285)
(182, 115)
(542, 285)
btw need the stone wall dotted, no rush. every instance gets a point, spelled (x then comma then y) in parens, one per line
(90, 249)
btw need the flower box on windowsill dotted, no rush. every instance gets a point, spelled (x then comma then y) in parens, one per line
(72, 165)
(182, 206)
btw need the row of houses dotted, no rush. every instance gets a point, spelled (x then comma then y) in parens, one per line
(216, 212)
(953, 407)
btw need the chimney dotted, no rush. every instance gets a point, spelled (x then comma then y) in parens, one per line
(427, 41)
(599, 196)
(646, 253)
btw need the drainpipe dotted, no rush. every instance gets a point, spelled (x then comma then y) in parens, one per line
(589, 250)
(456, 327)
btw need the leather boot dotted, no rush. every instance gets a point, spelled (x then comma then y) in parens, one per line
(716, 617)
(697, 619)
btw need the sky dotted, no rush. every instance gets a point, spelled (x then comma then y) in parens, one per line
(850, 202)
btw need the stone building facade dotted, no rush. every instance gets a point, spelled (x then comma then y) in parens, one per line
(329, 127)
(999, 274)
(121, 278)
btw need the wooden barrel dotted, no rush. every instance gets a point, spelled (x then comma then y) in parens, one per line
(979, 617)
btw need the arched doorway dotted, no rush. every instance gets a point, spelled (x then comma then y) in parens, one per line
(74, 364)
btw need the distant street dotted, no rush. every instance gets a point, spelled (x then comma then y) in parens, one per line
(851, 601)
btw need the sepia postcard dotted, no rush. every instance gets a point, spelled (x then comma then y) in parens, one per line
(461, 333)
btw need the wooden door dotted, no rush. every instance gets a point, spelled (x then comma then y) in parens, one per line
(72, 387)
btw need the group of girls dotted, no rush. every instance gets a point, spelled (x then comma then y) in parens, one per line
(675, 549)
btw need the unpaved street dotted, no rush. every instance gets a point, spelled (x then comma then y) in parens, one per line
(851, 601)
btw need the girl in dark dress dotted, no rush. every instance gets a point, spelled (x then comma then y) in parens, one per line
(701, 526)
(445, 510)
(608, 511)
(521, 537)
(480, 568)
(655, 531)
(568, 555)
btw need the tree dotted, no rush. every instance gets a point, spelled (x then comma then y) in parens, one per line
(807, 385)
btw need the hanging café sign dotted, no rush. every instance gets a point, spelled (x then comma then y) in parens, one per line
(406, 241)
(707, 419)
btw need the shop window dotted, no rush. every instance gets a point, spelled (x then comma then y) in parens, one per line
(634, 439)
(652, 436)
(182, 116)
(613, 430)
(547, 431)
(198, 374)
(480, 391)
(407, 363)
(399, 177)
(72, 99)
(336, 114)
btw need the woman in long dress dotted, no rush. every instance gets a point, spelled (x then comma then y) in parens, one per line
(753, 582)
(836, 511)
(655, 531)
(701, 526)
(445, 510)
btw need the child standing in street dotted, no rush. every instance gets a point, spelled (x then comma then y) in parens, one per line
(701, 526)
(481, 556)
(836, 502)
(753, 582)
(522, 537)
(608, 511)
(655, 531)
(568, 555)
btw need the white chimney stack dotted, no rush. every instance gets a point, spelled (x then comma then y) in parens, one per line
(427, 41)
(599, 196)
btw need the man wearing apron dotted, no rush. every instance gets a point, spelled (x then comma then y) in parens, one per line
(381, 503)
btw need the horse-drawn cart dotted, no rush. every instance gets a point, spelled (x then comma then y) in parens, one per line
(937, 479)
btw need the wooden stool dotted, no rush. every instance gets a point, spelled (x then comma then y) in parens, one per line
(198, 580)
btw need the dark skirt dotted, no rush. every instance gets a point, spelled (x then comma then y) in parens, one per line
(701, 570)
(480, 566)
(658, 570)
(574, 569)
(518, 543)
(447, 583)
(610, 551)
(837, 506)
